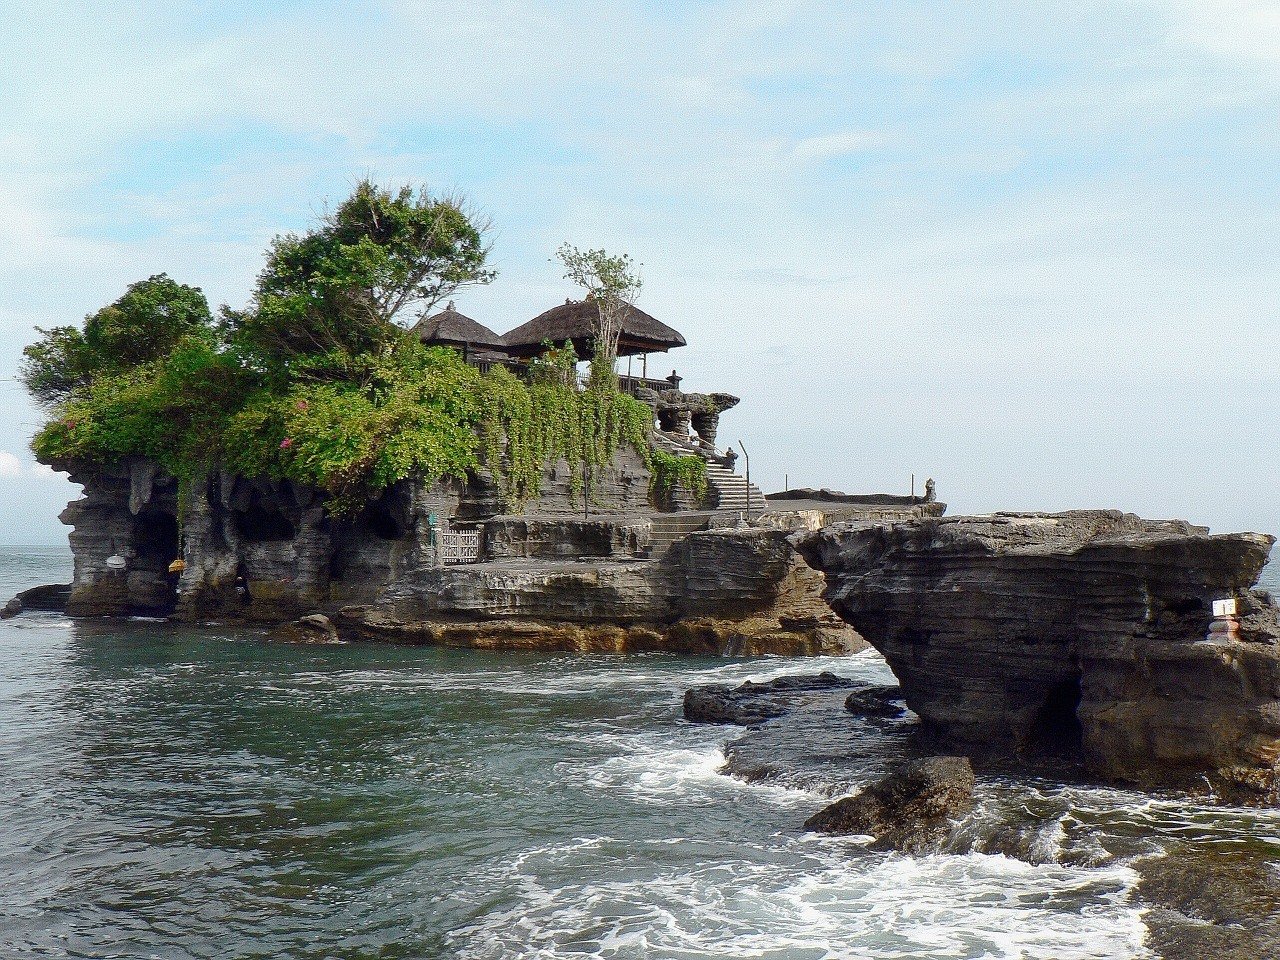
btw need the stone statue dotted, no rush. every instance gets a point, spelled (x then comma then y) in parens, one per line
(930, 493)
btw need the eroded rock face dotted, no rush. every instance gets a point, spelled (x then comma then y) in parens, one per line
(1079, 633)
(269, 552)
(912, 809)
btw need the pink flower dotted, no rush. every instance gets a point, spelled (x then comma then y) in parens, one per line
(303, 405)
(286, 443)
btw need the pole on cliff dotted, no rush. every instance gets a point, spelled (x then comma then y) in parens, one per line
(746, 460)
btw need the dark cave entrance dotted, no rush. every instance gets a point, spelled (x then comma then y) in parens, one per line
(153, 589)
(382, 523)
(260, 524)
(1057, 731)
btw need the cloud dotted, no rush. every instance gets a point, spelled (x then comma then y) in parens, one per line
(12, 467)
(1240, 30)
(839, 144)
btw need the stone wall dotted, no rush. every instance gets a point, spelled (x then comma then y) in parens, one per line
(564, 538)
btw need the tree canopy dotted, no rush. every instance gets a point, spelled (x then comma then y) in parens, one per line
(341, 287)
(613, 282)
(315, 381)
(147, 322)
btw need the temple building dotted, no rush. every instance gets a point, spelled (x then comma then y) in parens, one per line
(478, 345)
(686, 423)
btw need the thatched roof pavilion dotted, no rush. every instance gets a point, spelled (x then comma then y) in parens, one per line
(449, 328)
(575, 321)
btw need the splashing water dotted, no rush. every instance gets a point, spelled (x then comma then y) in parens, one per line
(198, 793)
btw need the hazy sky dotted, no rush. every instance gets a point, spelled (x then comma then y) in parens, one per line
(1030, 250)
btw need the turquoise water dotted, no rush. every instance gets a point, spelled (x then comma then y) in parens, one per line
(173, 792)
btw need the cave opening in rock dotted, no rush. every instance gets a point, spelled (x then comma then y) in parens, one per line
(1057, 730)
(259, 524)
(382, 524)
(338, 562)
(1187, 606)
(155, 546)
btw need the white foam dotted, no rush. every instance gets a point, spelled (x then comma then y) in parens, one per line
(585, 899)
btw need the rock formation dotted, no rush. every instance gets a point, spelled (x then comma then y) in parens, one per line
(751, 703)
(313, 628)
(1081, 633)
(51, 597)
(912, 809)
(269, 552)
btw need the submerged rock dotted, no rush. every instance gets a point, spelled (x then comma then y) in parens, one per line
(912, 809)
(1081, 634)
(751, 703)
(877, 703)
(313, 628)
(1215, 903)
(52, 597)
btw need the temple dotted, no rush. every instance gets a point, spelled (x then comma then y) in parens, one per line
(686, 423)
(634, 559)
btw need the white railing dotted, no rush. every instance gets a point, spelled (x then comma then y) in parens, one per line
(460, 546)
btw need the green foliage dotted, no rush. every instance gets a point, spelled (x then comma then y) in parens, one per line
(171, 410)
(555, 365)
(612, 282)
(340, 287)
(315, 383)
(670, 470)
(148, 321)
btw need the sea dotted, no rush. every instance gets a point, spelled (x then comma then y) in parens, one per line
(178, 792)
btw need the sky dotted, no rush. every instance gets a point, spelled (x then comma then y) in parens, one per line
(1029, 250)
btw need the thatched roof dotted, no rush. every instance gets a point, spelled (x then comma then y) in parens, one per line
(575, 320)
(451, 328)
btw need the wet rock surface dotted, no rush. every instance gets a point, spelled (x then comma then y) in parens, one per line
(51, 597)
(1219, 904)
(313, 628)
(913, 809)
(751, 703)
(877, 703)
(1075, 634)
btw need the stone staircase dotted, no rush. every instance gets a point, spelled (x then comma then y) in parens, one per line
(728, 489)
(669, 527)
(732, 492)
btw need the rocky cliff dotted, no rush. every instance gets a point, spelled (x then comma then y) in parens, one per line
(1084, 634)
(269, 552)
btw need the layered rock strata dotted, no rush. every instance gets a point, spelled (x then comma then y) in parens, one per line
(1079, 633)
(269, 552)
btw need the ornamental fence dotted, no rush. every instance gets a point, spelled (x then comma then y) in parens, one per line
(460, 546)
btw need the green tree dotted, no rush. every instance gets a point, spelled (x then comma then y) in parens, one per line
(612, 282)
(340, 288)
(146, 323)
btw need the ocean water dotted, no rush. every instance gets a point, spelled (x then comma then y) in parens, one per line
(171, 792)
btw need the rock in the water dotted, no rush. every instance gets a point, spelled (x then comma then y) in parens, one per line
(752, 703)
(51, 597)
(1080, 634)
(1223, 903)
(877, 703)
(313, 628)
(912, 809)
